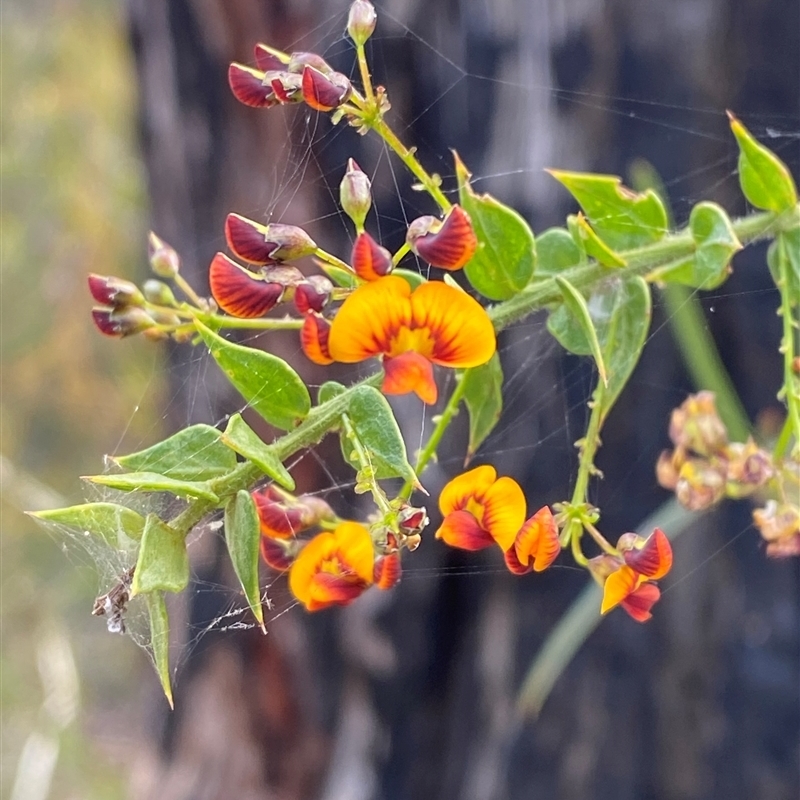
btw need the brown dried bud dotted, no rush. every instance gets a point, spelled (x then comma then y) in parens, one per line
(355, 194)
(669, 466)
(361, 21)
(700, 485)
(123, 322)
(775, 522)
(312, 294)
(749, 467)
(696, 425)
(164, 261)
(412, 520)
(116, 292)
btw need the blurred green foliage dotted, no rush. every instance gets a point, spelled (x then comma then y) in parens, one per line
(72, 203)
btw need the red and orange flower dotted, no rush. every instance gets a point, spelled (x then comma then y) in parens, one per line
(412, 330)
(480, 510)
(536, 545)
(334, 568)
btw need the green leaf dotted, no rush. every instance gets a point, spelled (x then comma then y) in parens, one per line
(373, 421)
(764, 178)
(625, 335)
(786, 246)
(504, 261)
(116, 524)
(716, 242)
(159, 640)
(193, 454)
(413, 279)
(153, 482)
(622, 219)
(556, 251)
(574, 301)
(591, 244)
(483, 396)
(265, 381)
(241, 438)
(163, 563)
(328, 391)
(340, 276)
(242, 535)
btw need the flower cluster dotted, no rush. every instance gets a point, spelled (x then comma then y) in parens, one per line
(705, 467)
(336, 565)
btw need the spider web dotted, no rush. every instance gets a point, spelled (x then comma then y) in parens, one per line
(524, 351)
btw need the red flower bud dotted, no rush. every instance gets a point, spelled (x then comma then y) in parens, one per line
(361, 21)
(240, 292)
(116, 292)
(269, 60)
(266, 244)
(164, 261)
(123, 322)
(449, 244)
(325, 92)
(312, 294)
(387, 571)
(314, 339)
(247, 85)
(355, 194)
(369, 260)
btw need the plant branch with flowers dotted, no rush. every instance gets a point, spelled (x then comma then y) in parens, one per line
(594, 277)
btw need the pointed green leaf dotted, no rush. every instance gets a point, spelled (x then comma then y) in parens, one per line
(573, 299)
(591, 244)
(376, 427)
(242, 535)
(116, 524)
(328, 391)
(764, 178)
(413, 279)
(622, 219)
(159, 640)
(786, 246)
(716, 242)
(556, 251)
(163, 563)
(625, 334)
(504, 261)
(193, 454)
(153, 482)
(265, 381)
(241, 438)
(483, 396)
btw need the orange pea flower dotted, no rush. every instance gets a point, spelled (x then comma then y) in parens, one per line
(536, 545)
(448, 244)
(480, 510)
(627, 581)
(412, 330)
(334, 568)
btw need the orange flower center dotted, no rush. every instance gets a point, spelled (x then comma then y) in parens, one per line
(475, 508)
(418, 340)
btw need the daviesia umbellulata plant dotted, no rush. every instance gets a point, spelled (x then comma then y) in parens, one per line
(594, 277)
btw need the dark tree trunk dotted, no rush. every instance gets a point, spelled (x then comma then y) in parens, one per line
(411, 695)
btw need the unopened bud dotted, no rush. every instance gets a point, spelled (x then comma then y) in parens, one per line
(669, 466)
(288, 242)
(355, 194)
(164, 261)
(312, 294)
(325, 92)
(749, 467)
(300, 60)
(116, 292)
(158, 293)
(696, 425)
(361, 21)
(387, 571)
(123, 322)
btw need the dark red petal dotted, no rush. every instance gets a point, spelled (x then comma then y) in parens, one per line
(513, 563)
(369, 260)
(452, 246)
(239, 292)
(247, 87)
(320, 92)
(246, 239)
(267, 61)
(312, 294)
(654, 559)
(639, 603)
(275, 554)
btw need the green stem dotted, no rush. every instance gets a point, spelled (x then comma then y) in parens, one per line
(331, 259)
(366, 78)
(367, 470)
(699, 352)
(401, 254)
(216, 321)
(640, 261)
(791, 381)
(429, 451)
(187, 289)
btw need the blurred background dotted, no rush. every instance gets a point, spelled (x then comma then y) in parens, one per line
(117, 118)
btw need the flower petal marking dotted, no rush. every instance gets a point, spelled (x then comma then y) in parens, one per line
(247, 87)
(369, 260)
(239, 292)
(247, 241)
(452, 246)
(654, 559)
(314, 339)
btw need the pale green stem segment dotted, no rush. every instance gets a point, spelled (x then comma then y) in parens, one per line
(789, 350)
(699, 352)
(366, 78)
(401, 253)
(367, 475)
